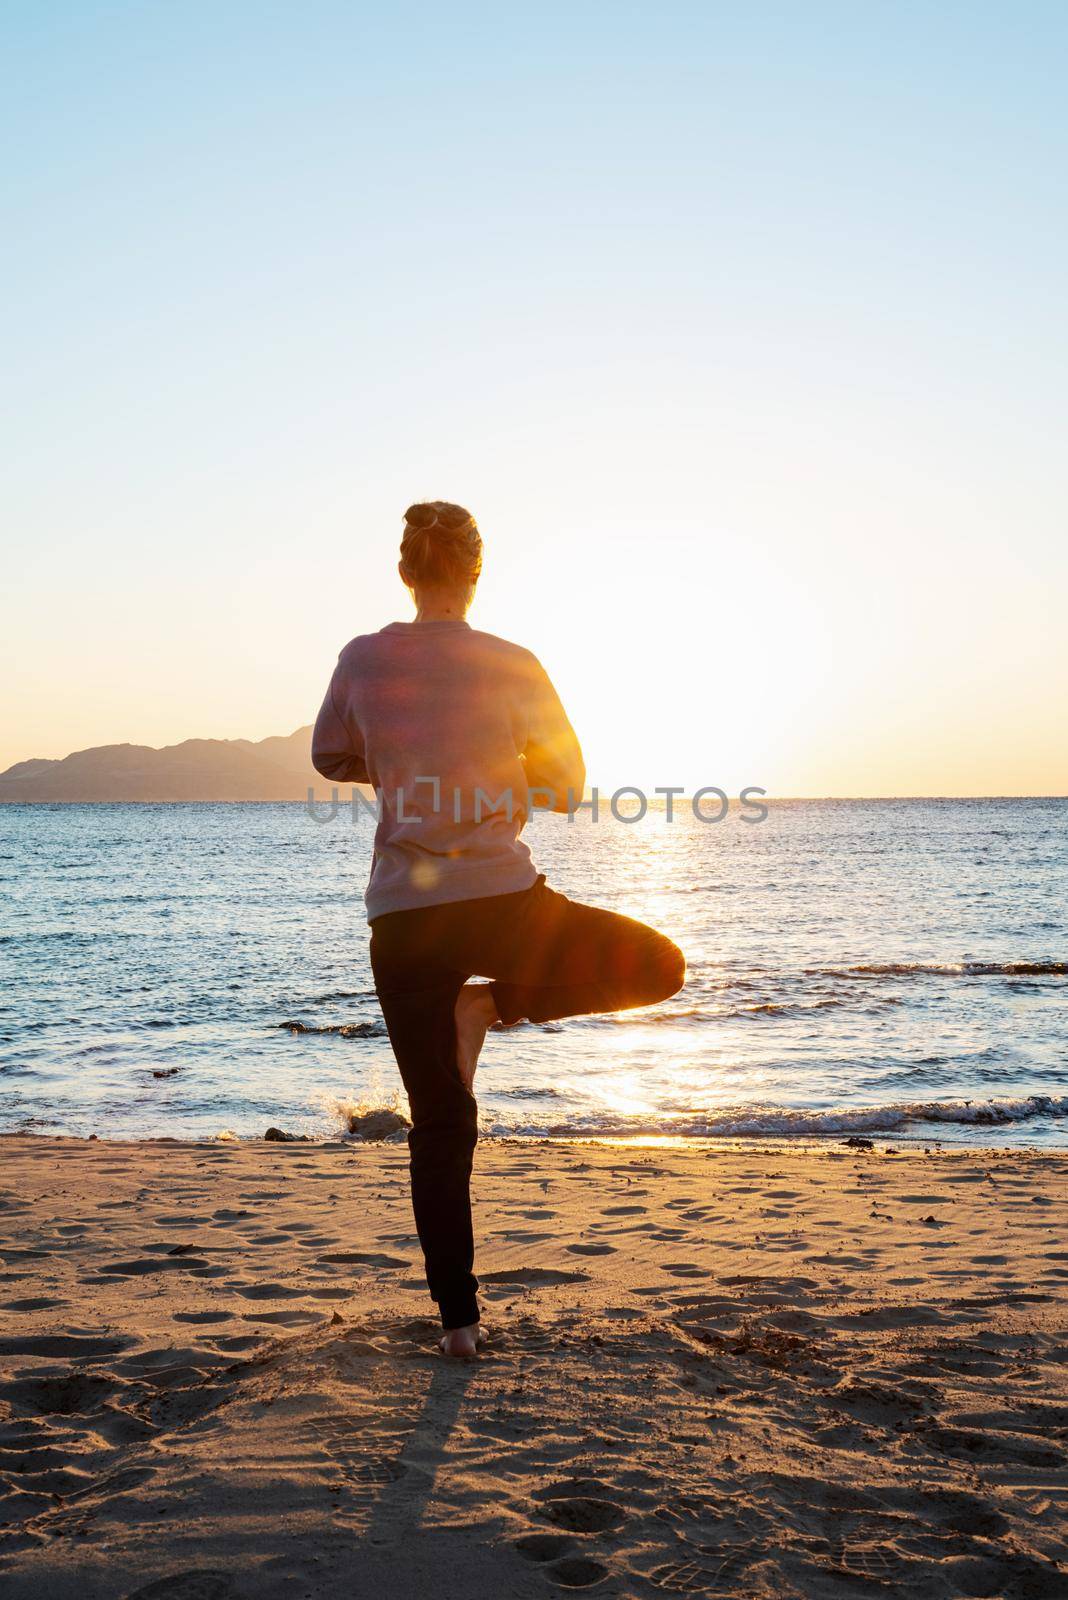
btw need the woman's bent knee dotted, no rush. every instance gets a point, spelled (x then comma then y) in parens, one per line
(671, 970)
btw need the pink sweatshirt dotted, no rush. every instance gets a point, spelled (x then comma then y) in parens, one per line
(454, 729)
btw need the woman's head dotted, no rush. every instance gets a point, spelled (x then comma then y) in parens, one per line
(441, 551)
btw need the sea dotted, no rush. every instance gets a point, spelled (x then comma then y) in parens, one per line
(892, 969)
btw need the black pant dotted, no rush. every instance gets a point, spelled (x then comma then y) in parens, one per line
(548, 957)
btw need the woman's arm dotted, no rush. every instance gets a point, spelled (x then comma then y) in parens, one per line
(337, 743)
(552, 756)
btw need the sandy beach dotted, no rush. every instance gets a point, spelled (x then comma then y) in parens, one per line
(752, 1370)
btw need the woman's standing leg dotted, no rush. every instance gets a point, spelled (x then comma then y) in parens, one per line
(418, 998)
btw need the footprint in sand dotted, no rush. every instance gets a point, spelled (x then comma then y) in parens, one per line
(583, 1515)
(580, 1506)
(533, 1276)
(146, 1264)
(577, 1506)
(968, 1446)
(728, 1558)
(285, 1319)
(691, 1577)
(267, 1291)
(953, 1509)
(63, 1394)
(591, 1249)
(577, 1572)
(543, 1546)
(199, 1583)
(866, 1563)
(1004, 1573)
(164, 1360)
(875, 1404)
(363, 1258)
(356, 1453)
(74, 1346)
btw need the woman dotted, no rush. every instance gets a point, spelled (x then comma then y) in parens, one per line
(456, 730)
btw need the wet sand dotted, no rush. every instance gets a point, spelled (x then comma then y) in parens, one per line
(758, 1370)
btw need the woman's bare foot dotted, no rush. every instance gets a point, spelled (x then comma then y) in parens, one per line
(462, 1341)
(475, 1013)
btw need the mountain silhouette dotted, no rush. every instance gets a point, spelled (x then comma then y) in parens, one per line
(197, 769)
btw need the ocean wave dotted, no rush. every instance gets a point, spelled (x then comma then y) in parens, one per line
(339, 994)
(612, 1019)
(786, 1008)
(351, 1113)
(726, 1013)
(746, 1122)
(947, 969)
(343, 1030)
(544, 1093)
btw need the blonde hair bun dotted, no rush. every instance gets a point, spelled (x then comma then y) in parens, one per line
(441, 547)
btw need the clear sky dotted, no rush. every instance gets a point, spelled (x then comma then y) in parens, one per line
(741, 328)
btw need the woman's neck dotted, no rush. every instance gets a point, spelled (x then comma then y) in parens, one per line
(440, 608)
